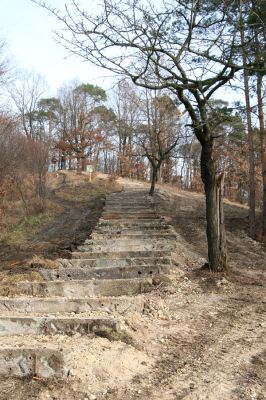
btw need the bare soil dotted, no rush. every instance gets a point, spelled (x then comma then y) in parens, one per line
(78, 204)
(202, 336)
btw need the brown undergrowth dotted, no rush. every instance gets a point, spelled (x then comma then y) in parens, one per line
(74, 205)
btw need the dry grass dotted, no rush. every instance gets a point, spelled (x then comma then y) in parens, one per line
(15, 232)
(41, 262)
(86, 190)
(20, 277)
(16, 228)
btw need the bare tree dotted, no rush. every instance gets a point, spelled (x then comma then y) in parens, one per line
(160, 134)
(4, 63)
(257, 29)
(26, 92)
(126, 107)
(23, 165)
(79, 129)
(188, 47)
(7, 129)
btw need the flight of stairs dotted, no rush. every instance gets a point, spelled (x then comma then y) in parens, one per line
(106, 276)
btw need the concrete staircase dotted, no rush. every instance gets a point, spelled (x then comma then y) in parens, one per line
(105, 277)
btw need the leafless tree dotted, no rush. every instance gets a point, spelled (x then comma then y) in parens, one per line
(190, 48)
(159, 135)
(126, 106)
(4, 63)
(26, 91)
(80, 132)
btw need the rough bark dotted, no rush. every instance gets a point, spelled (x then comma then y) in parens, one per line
(262, 150)
(213, 187)
(252, 187)
(154, 178)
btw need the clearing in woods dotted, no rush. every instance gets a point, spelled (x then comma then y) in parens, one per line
(199, 336)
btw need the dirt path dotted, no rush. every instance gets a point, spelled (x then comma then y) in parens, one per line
(206, 333)
(202, 336)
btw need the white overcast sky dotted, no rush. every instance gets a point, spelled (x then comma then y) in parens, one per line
(27, 29)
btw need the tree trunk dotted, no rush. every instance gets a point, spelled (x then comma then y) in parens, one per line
(262, 150)
(78, 164)
(154, 179)
(83, 163)
(213, 186)
(252, 190)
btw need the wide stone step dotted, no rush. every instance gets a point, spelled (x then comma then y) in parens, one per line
(124, 241)
(113, 262)
(70, 289)
(119, 262)
(15, 326)
(131, 216)
(130, 191)
(55, 305)
(134, 235)
(30, 362)
(103, 273)
(136, 191)
(145, 204)
(126, 206)
(157, 222)
(128, 209)
(116, 245)
(128, 200)
(110, 214)
(138, 229)
(119, 254)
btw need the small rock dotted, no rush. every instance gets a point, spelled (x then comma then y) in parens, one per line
(222, 282)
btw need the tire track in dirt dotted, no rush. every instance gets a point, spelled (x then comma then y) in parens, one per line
(209, 364)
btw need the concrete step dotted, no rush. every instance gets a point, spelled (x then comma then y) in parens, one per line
(135, 235)
(157, 222)
(119, 254)
(120, 244)
(109, 263)
(138, 229)
(123, 241)
(128, 210)
(17, 325)
(128, 193)
(70, 289)
(55, 305)
(126, 205)
(30, 362)
(128, 200)
(113, 262)
(130, 216)
(68, 274)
